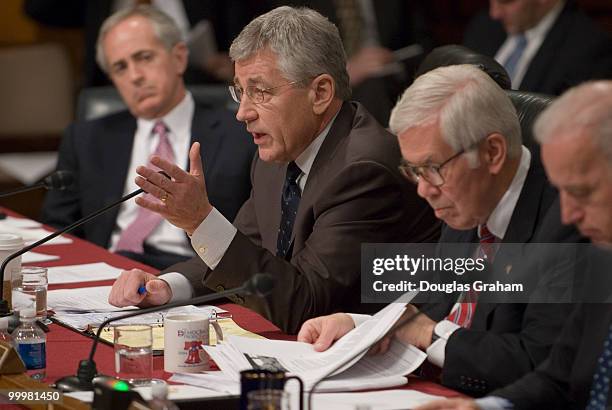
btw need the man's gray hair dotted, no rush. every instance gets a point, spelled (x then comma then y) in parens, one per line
(585, 109)
(307, 44)
(164, 27)
(466, 103)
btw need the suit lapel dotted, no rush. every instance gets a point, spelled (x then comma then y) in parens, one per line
(115, 148)
(340, 129)
(539, 66)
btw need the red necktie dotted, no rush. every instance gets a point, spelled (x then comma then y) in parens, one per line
(133, 237)
(464, 309)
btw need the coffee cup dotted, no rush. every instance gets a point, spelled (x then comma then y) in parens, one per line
(184, 338)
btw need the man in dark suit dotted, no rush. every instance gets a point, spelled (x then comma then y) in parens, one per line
(546, 46)
(325, 182)
(577, 154)
(461, 144)
(103, 154)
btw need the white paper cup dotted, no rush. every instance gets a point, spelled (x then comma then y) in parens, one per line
(9, 244)
(184, 336)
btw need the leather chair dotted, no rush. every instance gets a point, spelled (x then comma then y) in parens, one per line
(96, 102)
(528, 105)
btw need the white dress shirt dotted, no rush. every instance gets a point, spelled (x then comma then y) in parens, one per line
(166, 237)
(535, 37)
(213, 236)
(497, 223)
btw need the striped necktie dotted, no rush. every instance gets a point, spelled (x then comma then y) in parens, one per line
(133, 236)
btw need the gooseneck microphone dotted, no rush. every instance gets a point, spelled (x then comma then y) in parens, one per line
(4, 309)
(59, 180)
(260, 284)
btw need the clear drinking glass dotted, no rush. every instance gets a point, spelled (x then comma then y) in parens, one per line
(268, 399)
(134, 353)
(30, 289)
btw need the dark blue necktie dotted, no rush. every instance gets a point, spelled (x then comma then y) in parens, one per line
(601, 379)
(289, 206)
(512, 61)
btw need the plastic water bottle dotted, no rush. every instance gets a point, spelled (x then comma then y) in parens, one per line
(159, 392)
(5, 336)
(31, 342)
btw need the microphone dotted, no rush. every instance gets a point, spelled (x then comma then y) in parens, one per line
(260, 284)
(398, 325)
(4, 310)
(59, 180)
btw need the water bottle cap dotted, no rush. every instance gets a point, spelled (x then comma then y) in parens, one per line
(159, 390)
(27, 313)
(10, 242)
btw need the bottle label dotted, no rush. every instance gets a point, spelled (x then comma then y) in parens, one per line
(33, 355)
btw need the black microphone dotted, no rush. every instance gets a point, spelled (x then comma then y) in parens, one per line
(260, 284)
(4, 310)
(59, 180)
(396, 326)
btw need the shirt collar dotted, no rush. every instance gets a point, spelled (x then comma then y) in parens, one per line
(307, 157)
(500, 217)
(177, 120)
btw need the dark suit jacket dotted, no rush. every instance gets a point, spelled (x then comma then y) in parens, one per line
(574, 50)
(354, 194)
(506, 340)
(98, 152)
(564, 380)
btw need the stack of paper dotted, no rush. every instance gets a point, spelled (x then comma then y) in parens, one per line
(344, 366)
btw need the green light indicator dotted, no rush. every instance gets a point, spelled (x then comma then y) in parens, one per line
(121, 386)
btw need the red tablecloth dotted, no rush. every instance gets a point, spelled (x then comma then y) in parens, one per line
(65, 347)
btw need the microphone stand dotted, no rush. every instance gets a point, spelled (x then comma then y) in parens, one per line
(4, 310)
(87, 368)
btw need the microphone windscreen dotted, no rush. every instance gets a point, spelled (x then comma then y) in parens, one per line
(262, 284)
(59, 180)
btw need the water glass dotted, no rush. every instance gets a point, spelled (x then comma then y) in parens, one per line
(30, 289)
(134, 353)
(268, 399)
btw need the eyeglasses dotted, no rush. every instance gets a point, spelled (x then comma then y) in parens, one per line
(256, 94)
(431, 173)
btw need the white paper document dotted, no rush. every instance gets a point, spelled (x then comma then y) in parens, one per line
(344, 365)
(83, 321)
(21, 223)
(35, 257)
(89, 272)
(378, 400)
(92, 299)
(32, 235)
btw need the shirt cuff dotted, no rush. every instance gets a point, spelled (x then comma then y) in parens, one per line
(212, 238)
(494, 403)
(436, 352)
(359, 318)
(180, 286)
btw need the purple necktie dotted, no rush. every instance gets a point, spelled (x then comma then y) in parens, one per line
(146, 221)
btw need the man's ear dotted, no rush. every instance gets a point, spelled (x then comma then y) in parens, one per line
(323, 91)
(180, 55)
(495, 152)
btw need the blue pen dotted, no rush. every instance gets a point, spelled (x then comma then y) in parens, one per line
(142, 289)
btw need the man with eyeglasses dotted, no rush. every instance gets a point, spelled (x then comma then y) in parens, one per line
(461, 145)
(142, 52)
(325, 181)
